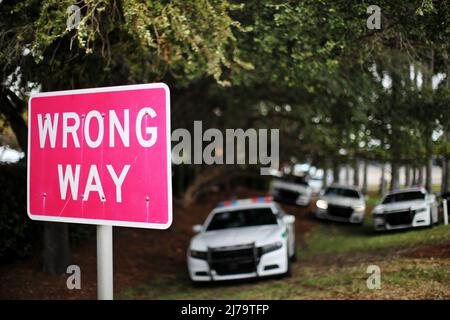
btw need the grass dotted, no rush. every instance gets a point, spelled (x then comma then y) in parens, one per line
(333, 265)
(333, 238)
(400, 279)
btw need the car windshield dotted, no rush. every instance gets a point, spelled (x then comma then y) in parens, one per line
(242, 218)
(342, 192)
(404, 196)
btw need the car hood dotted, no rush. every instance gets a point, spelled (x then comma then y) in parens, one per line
(403, 205)
(260, 235)
(343, 201)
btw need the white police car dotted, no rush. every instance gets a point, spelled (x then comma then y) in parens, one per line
(242, 239)
(341, 203)
(406, 208)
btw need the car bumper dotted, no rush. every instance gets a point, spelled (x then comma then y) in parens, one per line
(272, 263)
(355, 217)
(420, 219)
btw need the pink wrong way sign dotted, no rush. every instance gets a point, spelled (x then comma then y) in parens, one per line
(101, 156)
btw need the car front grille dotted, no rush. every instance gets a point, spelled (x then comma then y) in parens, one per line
(399, 217)
(340, 211)
(233, 260)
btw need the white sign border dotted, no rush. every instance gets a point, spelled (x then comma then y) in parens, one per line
(118, 223)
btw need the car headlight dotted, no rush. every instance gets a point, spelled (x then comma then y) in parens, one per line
(322, 204)
(203, 255)
(359, 208)
(270, 247)
(420, 210)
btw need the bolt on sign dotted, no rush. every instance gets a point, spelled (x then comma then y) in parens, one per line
(101, 156)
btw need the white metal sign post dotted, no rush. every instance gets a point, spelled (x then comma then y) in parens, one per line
(104, 262)
(445, 205)
(101, 156)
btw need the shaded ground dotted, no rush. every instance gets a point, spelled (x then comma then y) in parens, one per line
(150, 264)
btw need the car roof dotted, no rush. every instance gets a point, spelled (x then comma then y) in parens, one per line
(237, 204)
(410, 189)
(244, 206)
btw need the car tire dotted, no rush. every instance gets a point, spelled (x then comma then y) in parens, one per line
(294, 256)
(431, 225)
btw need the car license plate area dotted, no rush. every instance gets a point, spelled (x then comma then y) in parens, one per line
(233, 260)
(340, 211)
(399, 218)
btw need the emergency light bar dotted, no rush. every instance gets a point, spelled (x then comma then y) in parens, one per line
(245, 201)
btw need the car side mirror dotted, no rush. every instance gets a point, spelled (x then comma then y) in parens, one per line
(289, 219)
(197, 228)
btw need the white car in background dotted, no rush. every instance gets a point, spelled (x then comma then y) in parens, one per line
(316, 184)
(316, 180)
(406, 208)
(242, 239)
(341, 203)
(292, 190)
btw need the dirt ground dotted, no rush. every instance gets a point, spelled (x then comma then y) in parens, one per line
(140, 255)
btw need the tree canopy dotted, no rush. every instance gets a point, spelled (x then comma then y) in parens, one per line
(337, 90)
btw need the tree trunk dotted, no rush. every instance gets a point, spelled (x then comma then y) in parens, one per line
(336, 168)
(180, 169)
(394, 176)
(56, 251)
(428, 82)
(444, 175)
(325, 176)
(414, 176)
(407, 175)
(382, 188)
(446, 164)
(429, 171)
(447, 176)
(365, 186)
(356, 173)
(347, 174)
(420, 176)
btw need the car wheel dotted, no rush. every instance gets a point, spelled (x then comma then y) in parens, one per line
(294, 256)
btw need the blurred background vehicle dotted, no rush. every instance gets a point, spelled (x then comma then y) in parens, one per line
(406, 208)
(242, 239)
(341, 203)
(317, 179)
(291, 189)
